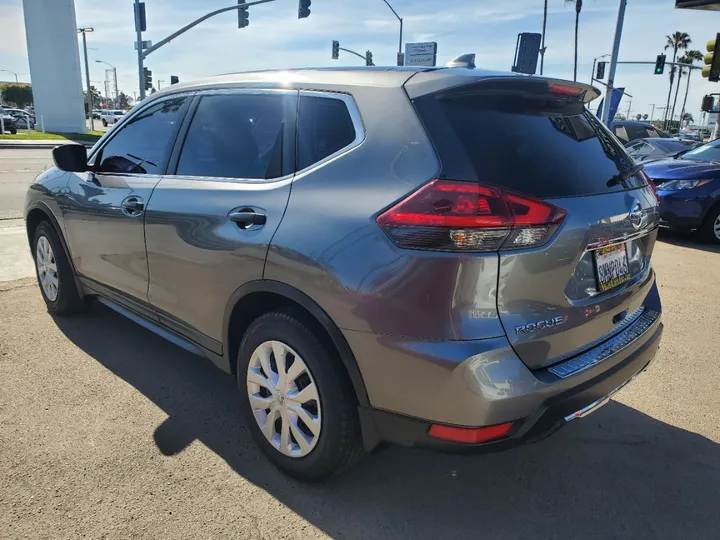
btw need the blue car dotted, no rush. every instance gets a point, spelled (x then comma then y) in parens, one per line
(688, 188)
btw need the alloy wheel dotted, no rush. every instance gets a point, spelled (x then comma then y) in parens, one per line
(716, 227)
(284, 399)
(47, 268)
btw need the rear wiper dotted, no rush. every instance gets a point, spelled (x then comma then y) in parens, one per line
(615, 180)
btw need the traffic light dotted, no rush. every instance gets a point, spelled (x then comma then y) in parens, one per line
(243, 15)
(303, 9)
(335, 50)
(600, 74)
(712, 60)
(174, 79)
(368, 59)
(147, 77)
(708, 103)
(660, 64)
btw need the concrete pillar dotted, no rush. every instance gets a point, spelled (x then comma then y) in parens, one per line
(54, 59)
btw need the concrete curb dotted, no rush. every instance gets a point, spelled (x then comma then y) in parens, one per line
(46, 144)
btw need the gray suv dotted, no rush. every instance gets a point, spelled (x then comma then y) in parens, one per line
(444, 258)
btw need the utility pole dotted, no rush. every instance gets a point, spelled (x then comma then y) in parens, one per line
(400, 54)
(628, 113)
(88, 98)
(613, 61)
(652, 114)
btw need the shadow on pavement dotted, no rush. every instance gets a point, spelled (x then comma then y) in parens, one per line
(687, 239)
(616, 474)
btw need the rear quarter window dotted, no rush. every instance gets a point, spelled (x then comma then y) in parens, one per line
(522, 143)
(324, 127)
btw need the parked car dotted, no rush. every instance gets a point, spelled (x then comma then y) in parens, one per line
(21, 118)
(689, 190)
(8, 122)
(629, 130)
(364, 256)
(651, 149)
(111, 117)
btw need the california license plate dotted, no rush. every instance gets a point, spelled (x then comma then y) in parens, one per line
(612, 266)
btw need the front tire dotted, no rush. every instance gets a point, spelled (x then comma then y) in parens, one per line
(104, 122)
(296, 397)
(711, 226)
(54, 272)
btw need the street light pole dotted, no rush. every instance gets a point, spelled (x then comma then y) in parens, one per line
(114, 82)
(613, 62)
(653, 112)
(160, 81)
(8, 71)
(83, 31)
(401, 30)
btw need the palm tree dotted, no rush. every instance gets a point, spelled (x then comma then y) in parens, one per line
(690, 57)
(679, 40)
(542, 47)
(578, 9)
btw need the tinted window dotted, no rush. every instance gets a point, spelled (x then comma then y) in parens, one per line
(706, 152)
(536, 145)
(234, 136)
(621, 133)
(324, 127)
(142, 145)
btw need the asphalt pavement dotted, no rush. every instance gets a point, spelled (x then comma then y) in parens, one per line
(18, 168)
(108, 431)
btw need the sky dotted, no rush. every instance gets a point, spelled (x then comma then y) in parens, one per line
(276, 39)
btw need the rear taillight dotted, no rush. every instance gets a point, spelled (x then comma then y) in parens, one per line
(450, 215)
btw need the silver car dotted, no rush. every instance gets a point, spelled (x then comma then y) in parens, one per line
(444, 258)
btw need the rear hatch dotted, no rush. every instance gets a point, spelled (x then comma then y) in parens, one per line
(535, 138)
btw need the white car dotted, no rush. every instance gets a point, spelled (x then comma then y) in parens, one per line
(109, 117)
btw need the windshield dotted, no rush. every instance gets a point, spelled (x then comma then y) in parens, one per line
(706, 152)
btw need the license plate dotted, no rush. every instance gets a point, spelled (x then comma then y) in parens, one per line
(612, 266)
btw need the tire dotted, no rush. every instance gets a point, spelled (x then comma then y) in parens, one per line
(64, 298)
(13, 131)
(104, 122)
(711, 226)
(337, 444)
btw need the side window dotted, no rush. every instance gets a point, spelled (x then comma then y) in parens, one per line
(142, 145)
(235, 136)
(652, 133)
(621, 133)
(324, 127)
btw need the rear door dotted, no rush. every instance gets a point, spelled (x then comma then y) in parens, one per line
(214, 214)
(560, 298)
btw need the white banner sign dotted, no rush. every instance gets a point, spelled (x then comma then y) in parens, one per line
(421, 54)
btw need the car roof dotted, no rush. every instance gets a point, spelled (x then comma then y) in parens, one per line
(338, 77)
(633, 122)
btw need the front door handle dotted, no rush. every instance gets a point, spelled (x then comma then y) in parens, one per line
(247, 217)
(133, 206)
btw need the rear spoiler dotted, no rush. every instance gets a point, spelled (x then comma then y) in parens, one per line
(458, 81)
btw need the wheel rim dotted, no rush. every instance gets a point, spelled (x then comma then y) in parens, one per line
(716, 227)
(47, 268)
(284, 399)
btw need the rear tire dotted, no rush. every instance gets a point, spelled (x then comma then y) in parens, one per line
(331, 437)
(104, 123)
(54, 272)
(711, 226)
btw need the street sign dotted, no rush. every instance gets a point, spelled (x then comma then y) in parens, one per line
(421, 54)
(145, 44)
(526, 53)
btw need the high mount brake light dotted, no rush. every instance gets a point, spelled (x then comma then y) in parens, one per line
(450, 215)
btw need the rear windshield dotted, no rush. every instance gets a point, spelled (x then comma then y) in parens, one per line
(527, 143)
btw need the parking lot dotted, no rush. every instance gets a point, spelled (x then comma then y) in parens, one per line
(108, 431)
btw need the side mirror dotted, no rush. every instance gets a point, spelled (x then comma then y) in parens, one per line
(70, 157)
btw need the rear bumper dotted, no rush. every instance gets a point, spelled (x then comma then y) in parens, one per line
(552, 413)
(413, 384)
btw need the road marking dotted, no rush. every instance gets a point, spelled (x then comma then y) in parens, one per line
(23, 170)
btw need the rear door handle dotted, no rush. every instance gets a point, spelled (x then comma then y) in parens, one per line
(133, 206)
(247, 217)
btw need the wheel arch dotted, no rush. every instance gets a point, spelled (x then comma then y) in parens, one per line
(38, 213)
(257, 297)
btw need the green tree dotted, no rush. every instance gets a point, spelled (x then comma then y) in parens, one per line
(18, 94)
(690, 57)
(97, 99)
(123, 100)
(676, 42)
(578, 9)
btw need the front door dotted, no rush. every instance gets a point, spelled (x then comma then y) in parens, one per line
(211, 219)
(105, 208)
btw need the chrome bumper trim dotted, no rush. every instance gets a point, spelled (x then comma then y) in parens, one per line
(637, 326)
(595, 405)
